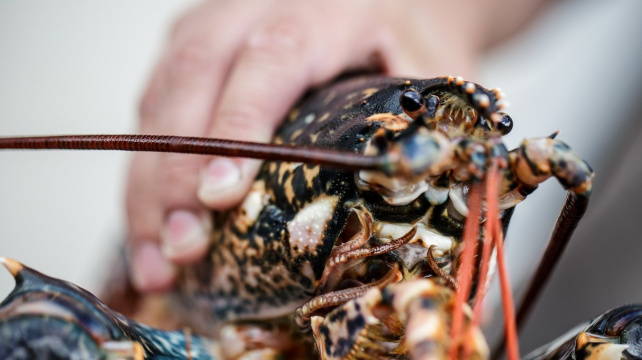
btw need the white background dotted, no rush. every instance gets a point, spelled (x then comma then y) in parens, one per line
(78, 67)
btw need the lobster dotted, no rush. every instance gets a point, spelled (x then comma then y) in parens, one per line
(363, 244)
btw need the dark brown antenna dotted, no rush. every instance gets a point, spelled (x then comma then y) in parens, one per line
(203, 146)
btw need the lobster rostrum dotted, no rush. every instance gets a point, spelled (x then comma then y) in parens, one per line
(359, 235)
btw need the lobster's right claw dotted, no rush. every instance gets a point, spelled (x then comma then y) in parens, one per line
(538, 159)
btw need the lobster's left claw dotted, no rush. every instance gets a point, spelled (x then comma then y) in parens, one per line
(54, 319)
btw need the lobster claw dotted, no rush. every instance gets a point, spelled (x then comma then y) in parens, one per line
(47, 318)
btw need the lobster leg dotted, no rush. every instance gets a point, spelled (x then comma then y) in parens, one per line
(538, 159)
(532, 163)
(261, 341)
(370, 326)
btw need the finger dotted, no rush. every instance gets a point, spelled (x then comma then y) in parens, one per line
(408, 59)
(193, 73)
(279, 61)
(194, 69)
(271, 60)
(150, 270)
(411, 46)
(148, 107)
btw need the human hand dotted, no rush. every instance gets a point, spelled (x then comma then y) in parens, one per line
(232, 69)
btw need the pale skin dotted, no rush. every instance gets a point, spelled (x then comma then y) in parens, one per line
(232, 69)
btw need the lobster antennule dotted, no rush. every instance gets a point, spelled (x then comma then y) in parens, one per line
(203, 146)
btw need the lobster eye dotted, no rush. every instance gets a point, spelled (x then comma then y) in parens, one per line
(505, 125)
(412, 103)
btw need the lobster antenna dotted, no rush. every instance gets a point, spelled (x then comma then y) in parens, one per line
(202, 146)
(510, 323)
(464, 275)
(494, 237)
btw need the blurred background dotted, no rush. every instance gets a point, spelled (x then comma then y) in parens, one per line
(79, 67)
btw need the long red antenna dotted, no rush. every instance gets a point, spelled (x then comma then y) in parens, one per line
(493, 236)
(464, 276)
(202, 146)
(512, 343)
(495, 230)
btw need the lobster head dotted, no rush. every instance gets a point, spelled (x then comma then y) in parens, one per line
(452, 132)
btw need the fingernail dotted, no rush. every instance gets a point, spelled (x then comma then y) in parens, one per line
(185, 236)
(219, 175)
(150, 270)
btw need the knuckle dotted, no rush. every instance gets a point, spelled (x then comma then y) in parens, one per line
(143, 224)
(281, 39)
(246, 122)
(178, 25)
(143, 215)
(178, 175)
(189, 64)
(148, 105)
(184, 21)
